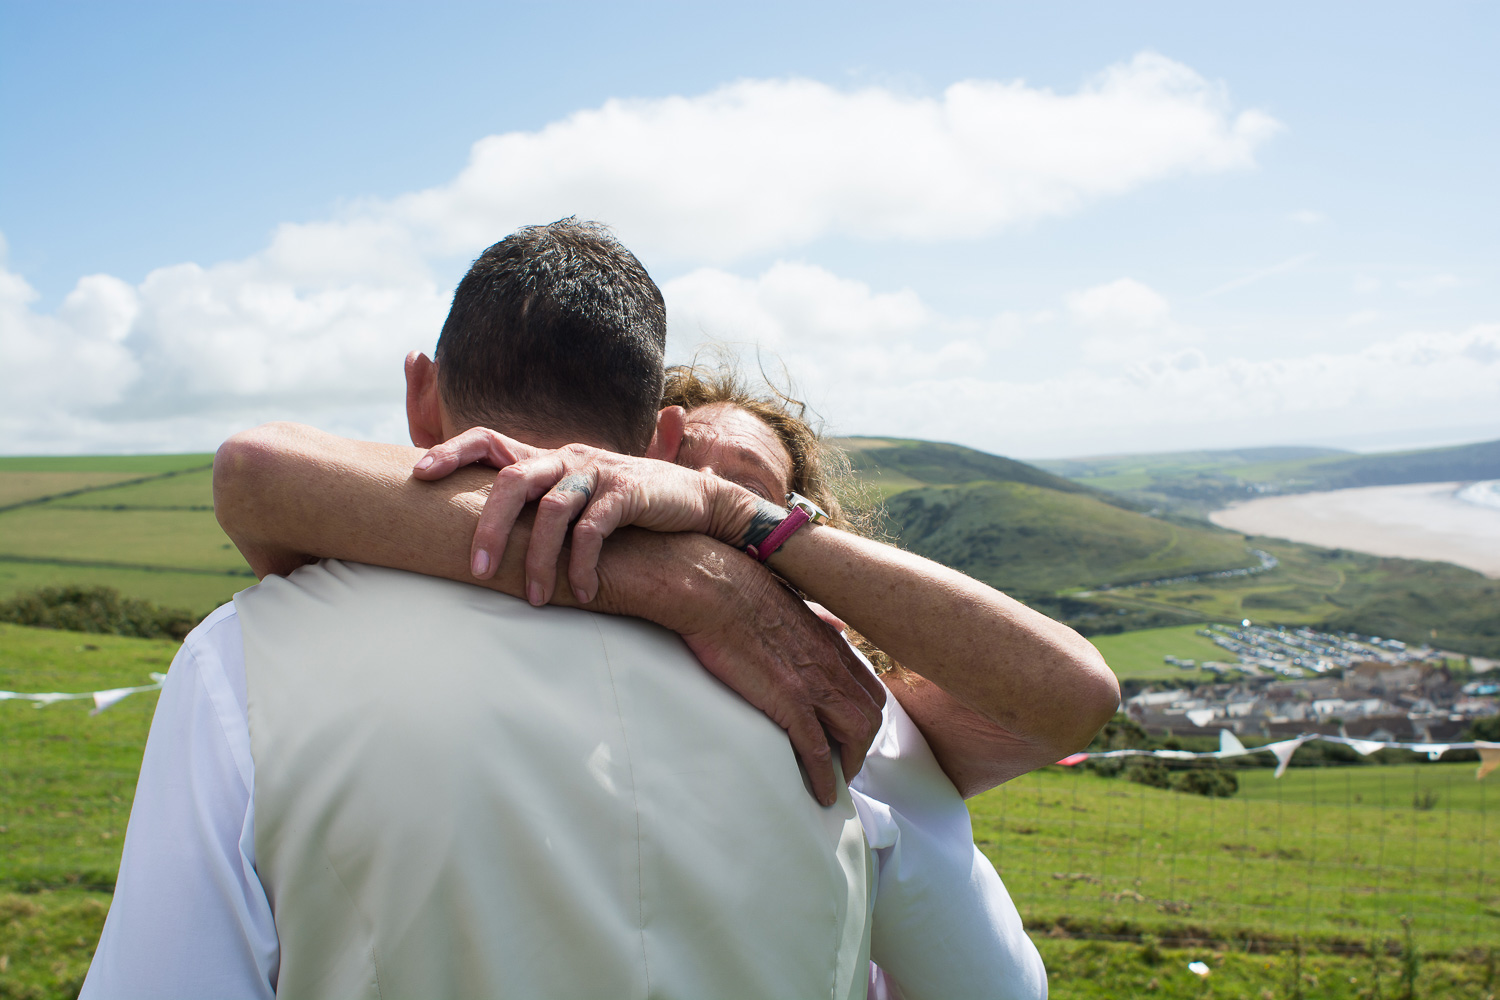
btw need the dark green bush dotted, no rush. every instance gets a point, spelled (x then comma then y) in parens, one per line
(97, 609)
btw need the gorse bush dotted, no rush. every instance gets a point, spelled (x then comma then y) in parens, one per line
(97, 609)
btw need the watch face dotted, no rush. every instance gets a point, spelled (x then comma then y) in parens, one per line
(815, 514)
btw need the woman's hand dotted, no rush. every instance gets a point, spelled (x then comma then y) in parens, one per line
(600, 490)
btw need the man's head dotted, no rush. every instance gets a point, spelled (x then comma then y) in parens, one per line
(557, 332)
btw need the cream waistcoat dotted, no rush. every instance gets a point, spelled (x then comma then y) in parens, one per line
(459, 795)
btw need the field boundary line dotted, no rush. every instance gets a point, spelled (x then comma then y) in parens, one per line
(90, 564)
(37, 501)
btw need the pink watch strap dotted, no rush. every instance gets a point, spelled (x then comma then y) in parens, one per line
(795, 519)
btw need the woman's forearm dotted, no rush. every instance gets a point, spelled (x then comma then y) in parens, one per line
(988, 657)
(287, 494)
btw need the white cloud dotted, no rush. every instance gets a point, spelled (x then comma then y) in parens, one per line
(1185, 400)
(888, 363)
(766, 165)
(1365, 284)
(1430, 284)
(1126, 321)
(314, 326)
(1307, 217)
(1363, 317)
(1122, 303)
(818, 326)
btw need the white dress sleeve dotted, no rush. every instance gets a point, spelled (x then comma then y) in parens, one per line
(189, 916)
(944, 925)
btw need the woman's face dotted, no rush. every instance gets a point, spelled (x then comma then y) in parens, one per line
(733, 444)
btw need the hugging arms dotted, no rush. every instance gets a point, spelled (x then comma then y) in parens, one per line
(996, 688)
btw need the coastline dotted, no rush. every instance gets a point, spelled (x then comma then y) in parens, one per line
(1411, 521)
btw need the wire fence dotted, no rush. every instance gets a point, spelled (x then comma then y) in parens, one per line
(1334, 857)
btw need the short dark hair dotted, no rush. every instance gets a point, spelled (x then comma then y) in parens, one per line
(557, 329)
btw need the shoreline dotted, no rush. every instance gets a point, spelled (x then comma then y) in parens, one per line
(1410, 521)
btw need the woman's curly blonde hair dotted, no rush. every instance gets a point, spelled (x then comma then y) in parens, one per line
(820, 470)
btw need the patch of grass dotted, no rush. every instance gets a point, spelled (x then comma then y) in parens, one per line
(166, 538)
(140, 465)
(1139, 655)
(1111, 970)
(190, 489)
(1392, 787)
(199, 593)
(16, 487)
(69, 777)
(1100, 856)
(47, 940)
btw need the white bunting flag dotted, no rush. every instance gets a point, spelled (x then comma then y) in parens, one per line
(1283, 752)
(1230, 745)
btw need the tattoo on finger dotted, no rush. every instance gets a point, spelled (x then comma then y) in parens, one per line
(576, 483)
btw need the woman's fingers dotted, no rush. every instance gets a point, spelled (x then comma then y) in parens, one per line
(477, 444)
(515, 487)
(603, 516)
(556, 510)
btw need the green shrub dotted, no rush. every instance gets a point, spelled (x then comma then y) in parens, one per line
(97, 609)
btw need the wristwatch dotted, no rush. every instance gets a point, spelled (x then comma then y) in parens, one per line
(799, 511)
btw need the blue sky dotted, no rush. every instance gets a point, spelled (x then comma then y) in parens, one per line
(1040, 229)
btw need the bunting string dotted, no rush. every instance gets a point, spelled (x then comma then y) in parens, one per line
(1230, 746)
(101, 699)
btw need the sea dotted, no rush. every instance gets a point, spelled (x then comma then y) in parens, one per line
(1482, 494)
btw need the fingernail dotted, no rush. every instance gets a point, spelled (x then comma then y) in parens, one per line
(582, 595)
(424, 463)
(481, 563)
(534, 593)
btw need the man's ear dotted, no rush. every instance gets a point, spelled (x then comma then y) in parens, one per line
(671, 423)
(424, 411)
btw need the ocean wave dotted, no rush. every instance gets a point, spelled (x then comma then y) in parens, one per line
(1485, 494)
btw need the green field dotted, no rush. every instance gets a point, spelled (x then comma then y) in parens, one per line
(140, 465)
(1440, 603)
(141, 524)
(1319, 855)
(1139, 655)
(185, 490)
(22, 487)
(1100, 868)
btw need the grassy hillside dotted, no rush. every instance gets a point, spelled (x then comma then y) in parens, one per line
(1124, 473)
(896, 464)
(1022, 537)
(1447, 605)
(1200, 481)
(142, 524)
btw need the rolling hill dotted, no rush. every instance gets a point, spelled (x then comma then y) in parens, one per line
(1095, 559)
(1200, 481)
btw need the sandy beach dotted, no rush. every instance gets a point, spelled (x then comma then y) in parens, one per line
(1416, 521)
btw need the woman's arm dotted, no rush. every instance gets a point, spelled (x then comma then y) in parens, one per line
(287, 494)
(1010, 689)
(1001, 689)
